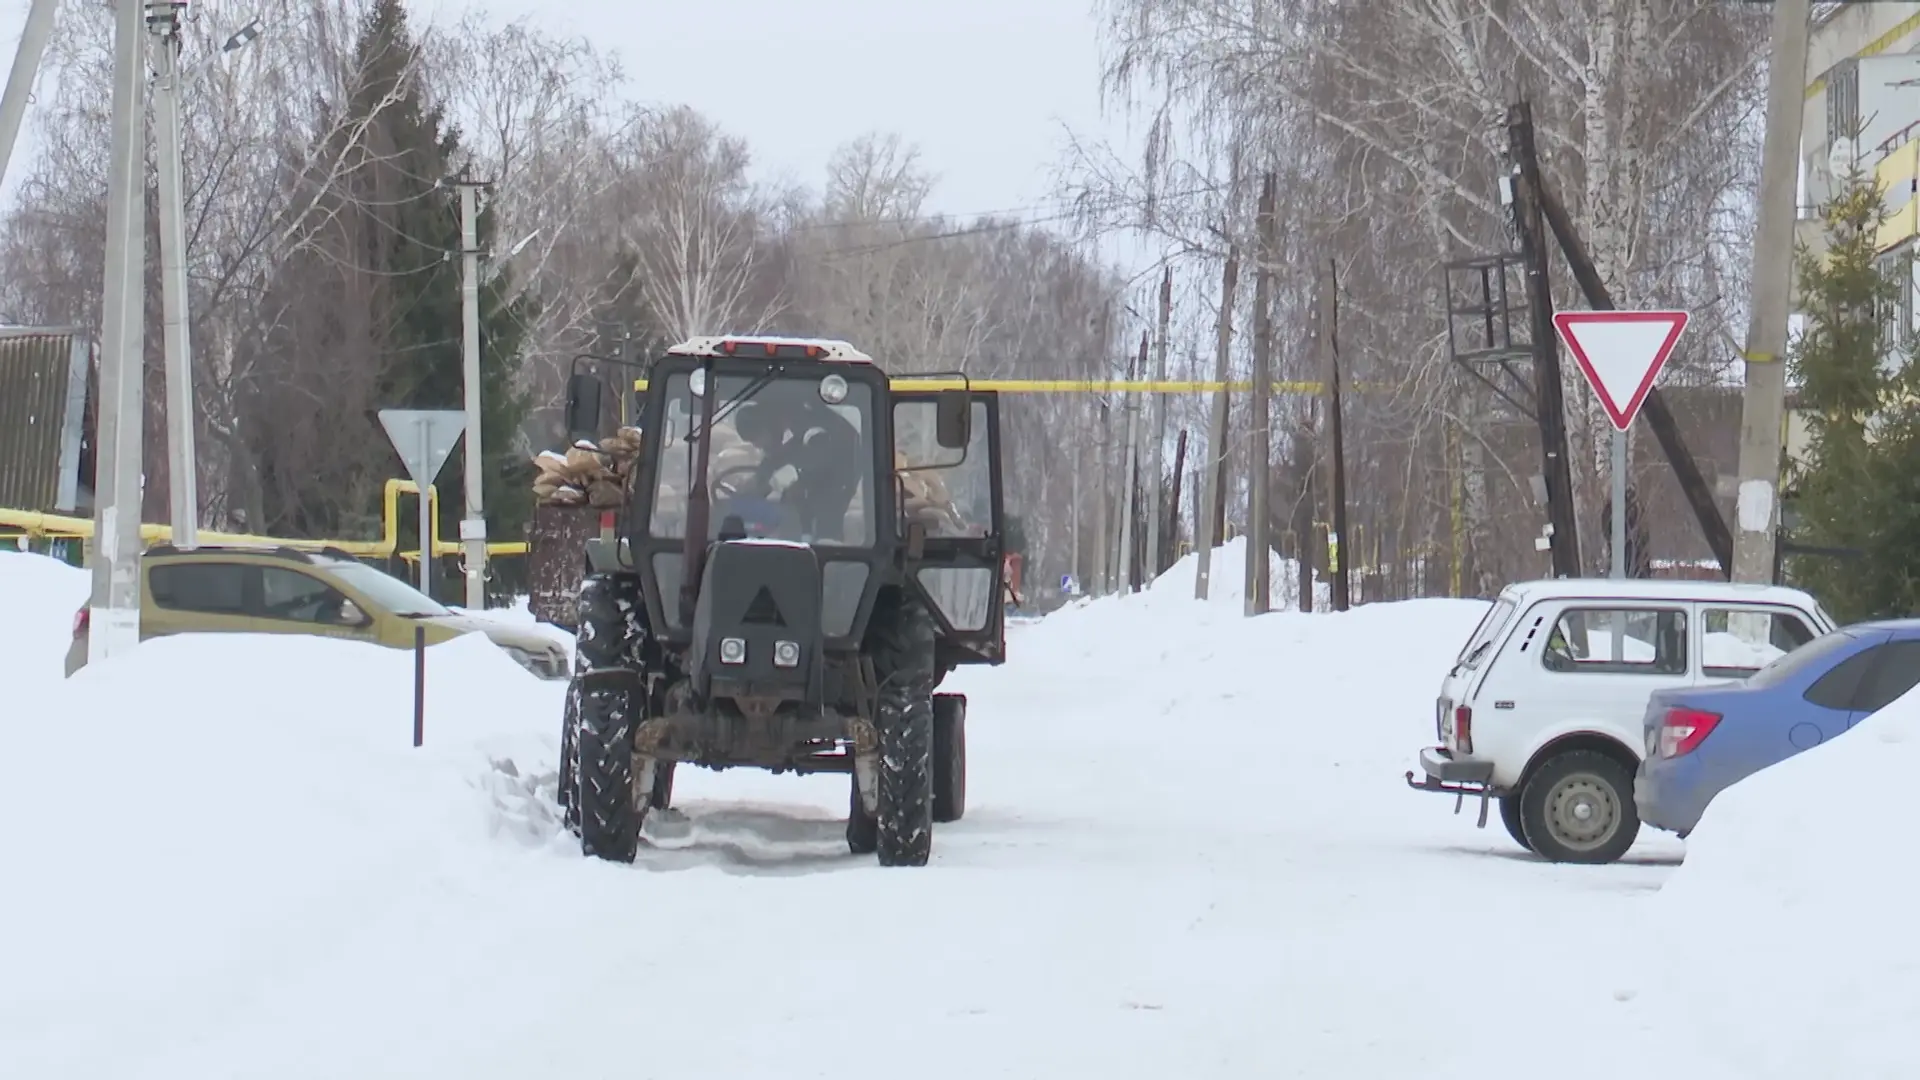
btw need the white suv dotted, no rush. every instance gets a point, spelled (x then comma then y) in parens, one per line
(1543, 708)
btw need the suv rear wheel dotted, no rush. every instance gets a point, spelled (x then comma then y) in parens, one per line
(1577, 807)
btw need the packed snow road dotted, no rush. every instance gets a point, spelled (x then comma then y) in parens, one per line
(1188, 852)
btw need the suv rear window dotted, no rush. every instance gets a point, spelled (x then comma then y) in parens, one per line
(1491, 624)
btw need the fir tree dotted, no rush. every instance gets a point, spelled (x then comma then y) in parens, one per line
(408, 214)
(1846, 495)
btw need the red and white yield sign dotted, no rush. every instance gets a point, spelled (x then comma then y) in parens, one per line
(1621, 354)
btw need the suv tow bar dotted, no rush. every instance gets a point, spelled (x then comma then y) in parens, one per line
(1459, 792)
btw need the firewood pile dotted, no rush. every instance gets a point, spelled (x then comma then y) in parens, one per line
(588, 474)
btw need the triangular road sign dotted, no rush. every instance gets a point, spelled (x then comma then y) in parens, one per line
(1621, 354)
(424, 438)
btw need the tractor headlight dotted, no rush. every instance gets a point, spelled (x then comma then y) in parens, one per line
(733, 650)
(786, 654)
(697, 382)
(833, 389)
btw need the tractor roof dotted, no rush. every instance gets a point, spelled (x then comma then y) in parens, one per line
(772, 348)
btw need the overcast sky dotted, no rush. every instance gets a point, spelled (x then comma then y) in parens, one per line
(986, 88)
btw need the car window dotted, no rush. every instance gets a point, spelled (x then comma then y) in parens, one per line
(1471, 654)
(297, 597)
(211, 588)
(1623, 640)
(1895, 674)
(1737, 641)
(1838, 687)
(386, 591)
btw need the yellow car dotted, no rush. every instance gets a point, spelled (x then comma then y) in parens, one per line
(285, 591)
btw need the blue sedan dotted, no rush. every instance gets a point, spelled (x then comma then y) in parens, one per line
(1702, 740)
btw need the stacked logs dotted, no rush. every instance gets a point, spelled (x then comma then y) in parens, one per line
(588, 474)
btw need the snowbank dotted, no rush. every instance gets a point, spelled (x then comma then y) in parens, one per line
(520, 614)
(1227, 579)
(183, 822)
(38, 598)
(1784, 947)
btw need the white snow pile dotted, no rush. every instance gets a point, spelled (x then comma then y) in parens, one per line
(198, 826)
(1227, 580)
(38, 599)
(1784, 947)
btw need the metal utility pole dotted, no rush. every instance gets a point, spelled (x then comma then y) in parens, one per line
(1214, 483)
(1328, 309)
(1764, 404)
(1549, 402)
(1260, 472)
(473, 527)
(163, 26)
(26, 68)
(1130, 474)
(1156, 467)
(114, 607)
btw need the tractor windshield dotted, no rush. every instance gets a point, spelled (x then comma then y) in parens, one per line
(790, 458)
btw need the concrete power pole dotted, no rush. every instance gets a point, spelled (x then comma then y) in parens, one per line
(163, 25)
(1156, 460)
(473, 528)
(114, 607)
(1764, 404)
(1259, 598)
(1213, 476)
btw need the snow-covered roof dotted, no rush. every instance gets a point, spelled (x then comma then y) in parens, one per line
(745, 345)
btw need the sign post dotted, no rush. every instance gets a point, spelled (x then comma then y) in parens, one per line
(1621, 353)
(424, 438)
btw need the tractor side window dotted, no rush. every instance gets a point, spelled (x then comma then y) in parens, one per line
(1623, 641)
(952, 496)
(675, 463)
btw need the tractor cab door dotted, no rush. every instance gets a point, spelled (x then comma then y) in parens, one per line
(954, 496)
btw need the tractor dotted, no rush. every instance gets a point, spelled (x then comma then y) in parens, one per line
(805, 550)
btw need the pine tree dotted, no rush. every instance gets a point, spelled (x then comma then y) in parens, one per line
(409, 222)
(1846, 495)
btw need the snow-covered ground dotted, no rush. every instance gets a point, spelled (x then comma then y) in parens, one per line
(1188, 852)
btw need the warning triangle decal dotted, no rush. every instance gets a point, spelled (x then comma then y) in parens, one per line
(1621, 354)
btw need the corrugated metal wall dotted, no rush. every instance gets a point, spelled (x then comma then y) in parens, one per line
(42, 398)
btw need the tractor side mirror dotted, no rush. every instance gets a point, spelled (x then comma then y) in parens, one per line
(953, 419)
(583, 406)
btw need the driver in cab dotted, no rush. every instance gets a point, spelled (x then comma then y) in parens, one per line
(795, 432)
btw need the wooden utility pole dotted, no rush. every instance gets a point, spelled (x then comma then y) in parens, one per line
(1130, 475)
(1171, 541)
(1210, 514)
(1556, 470)
(1102, 528)
(1328, 309)
(1156, 459)
(1260, 471)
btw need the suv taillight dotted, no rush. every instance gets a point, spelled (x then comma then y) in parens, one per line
(80, 619)
(1463, 728)
(1682, 730)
